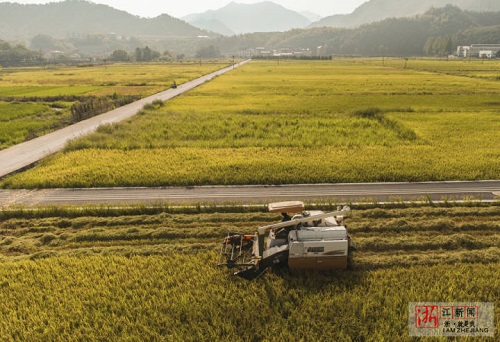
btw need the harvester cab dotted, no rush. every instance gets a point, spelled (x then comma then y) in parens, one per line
(304, 240)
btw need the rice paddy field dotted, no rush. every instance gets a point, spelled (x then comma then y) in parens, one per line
(36, 101)
(140, 273)
(270, 122)
(135, 274)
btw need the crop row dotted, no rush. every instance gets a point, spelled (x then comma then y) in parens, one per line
(195, 166)
(434, 229)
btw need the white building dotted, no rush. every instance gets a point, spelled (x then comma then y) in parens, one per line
(479, 51)
(485, 54)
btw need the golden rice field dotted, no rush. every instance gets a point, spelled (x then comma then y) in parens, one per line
(149, 273)
(138, 274)
(346, 120)
(121, 78)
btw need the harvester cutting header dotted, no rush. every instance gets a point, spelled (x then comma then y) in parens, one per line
(308, 240)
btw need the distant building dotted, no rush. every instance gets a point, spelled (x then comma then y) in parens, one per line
(479, 51)
(463, 51)
(486, 54)
(286, 52)
(283, 52)
(52, 54)
(302, 52)
(321, 50)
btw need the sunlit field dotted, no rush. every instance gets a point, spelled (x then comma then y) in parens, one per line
(139, 273)
(36, 101)
(141, 79)
(272, 122)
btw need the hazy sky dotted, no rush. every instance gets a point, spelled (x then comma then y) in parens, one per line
(179, 8)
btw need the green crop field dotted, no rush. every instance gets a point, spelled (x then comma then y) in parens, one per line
(346, 120)
(138, 274)
(36, 101)
(22, 121)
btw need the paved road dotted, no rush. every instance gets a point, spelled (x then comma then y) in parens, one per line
(23, 155)
(486, 190)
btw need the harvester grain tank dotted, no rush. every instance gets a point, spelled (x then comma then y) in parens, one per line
(304, 240)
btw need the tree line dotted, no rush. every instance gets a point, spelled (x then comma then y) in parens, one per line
(18, 55)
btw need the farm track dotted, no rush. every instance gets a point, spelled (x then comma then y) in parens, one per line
(436, 191)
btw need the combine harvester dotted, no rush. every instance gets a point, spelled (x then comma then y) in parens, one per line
(309, 240)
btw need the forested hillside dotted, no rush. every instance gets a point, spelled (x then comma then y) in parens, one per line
(437, 32)
(376, 10)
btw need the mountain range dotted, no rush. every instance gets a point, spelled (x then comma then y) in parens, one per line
(267, 16)
(79, 17)
(82, 27)
(237, 18)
